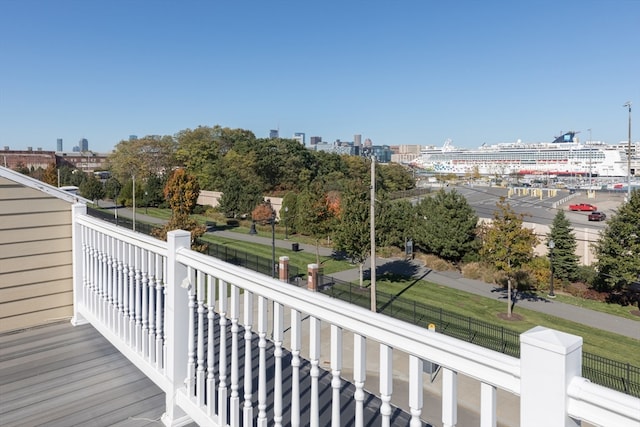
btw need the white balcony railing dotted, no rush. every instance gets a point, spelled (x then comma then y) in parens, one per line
(218, 340)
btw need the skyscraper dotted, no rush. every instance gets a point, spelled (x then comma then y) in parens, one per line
(84, 144)
(59, 146)
(315, 140)
(274, 133)
(300, 137)
(357, 140)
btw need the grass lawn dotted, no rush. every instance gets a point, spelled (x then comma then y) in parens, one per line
(298, 259)
(602, 343)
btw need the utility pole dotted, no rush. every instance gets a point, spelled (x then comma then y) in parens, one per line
(372, 222)
(628, 104)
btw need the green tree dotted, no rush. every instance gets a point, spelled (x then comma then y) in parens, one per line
(448, 225)
(288, 211)
(506, 244)
(352, 235)
(395, 222)
(618, 250)
(112, 188)
(564, 260)
(314, 216)
(154, 191)
(143, 157)
(92, 189)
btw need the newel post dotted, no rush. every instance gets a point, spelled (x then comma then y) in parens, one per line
(77, 257)
(312, 280)
(176, 325)
(549, 359)
(283, 269)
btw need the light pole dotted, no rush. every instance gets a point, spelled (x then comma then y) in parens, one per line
(286, 220)
(552, 245)
(273, 244)
(628, 105)
(590, 143)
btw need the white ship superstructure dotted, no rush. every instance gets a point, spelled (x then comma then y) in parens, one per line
(565, 156)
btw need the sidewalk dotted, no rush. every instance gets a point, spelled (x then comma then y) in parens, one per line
(619, 325)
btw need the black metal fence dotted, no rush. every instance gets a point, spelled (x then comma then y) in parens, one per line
(619, 376)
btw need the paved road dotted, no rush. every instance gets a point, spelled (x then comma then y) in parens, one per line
(595, 319)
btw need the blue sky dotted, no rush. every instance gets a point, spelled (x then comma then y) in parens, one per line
(397, 72)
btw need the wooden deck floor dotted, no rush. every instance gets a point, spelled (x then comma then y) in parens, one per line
(60, 375)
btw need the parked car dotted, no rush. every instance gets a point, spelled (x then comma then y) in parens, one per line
(583, 207)
(597, 216)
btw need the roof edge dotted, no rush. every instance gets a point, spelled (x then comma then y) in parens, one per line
(27, 181)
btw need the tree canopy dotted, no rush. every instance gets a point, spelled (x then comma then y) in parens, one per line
(618, 249)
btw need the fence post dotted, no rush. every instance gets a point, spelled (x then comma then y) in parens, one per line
(77, 257)
(312, 279)
(549, 359)
(283, 269)
(176, 318)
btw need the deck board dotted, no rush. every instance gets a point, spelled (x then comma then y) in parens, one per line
(60, 375)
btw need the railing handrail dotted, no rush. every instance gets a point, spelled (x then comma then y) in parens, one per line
(131, 237)
(495, 368)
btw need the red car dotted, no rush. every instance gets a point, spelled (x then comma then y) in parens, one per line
(583, 207)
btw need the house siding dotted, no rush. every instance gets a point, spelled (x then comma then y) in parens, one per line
(35, 257)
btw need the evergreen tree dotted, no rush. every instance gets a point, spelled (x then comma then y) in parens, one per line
(92, 188)
(618, 249)
(564, 259)
(448, 227)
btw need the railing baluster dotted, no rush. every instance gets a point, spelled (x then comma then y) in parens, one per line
(386, 383)
(359, 375)
(121, 289)
(278, 337)
(151, 336)
(295, 367)
(415, 390)
(314, 356)
(449, 398)
(211, 354)
(488, 405)
(132, 298)
(222, 359)
(234, 310)
(247, 411)
(336, 367)
(262, 368)
(145, 304)
(101, 277)
(200, 370)
(138, 299)
(191, 333)
(160, 275)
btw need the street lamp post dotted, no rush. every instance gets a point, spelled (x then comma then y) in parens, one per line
(628, 105)
(286, 220)
(273, 244)
(552, 245)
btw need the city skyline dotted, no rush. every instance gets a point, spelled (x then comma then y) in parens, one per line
(415, 73)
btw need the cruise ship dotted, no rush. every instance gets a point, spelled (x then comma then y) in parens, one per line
(565, 156)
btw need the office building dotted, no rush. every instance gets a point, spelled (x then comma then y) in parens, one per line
(300, 137)
(315, 140)
(59, 146)
(274, 133)
(84, 144)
